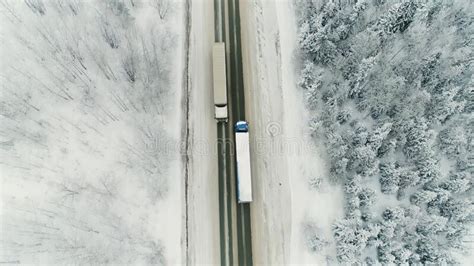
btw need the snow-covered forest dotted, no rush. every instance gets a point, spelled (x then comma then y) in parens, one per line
(390, 89)
(90, 123)
(92, 95)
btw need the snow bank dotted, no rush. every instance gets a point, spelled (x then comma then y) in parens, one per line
(202, 189)
(285, 161)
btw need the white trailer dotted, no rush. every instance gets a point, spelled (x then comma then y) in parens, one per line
(219, 80)
(242, 148)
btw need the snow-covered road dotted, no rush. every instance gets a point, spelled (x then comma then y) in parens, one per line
(271, 215)
(203, 204)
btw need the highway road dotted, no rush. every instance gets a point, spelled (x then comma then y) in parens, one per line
(234, 219)
(224, 181)
(237, 103)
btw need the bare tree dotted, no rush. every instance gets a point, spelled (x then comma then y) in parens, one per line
(37, 6)
(163, 7)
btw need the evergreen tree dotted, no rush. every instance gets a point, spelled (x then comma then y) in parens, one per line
(431, 225)
(379, 136)
(398, 18)
(362, 161)
(423, 197)
(444, 105)
(457, 183)
(389, 178)
(351, 239)
(453, 141)
(457, 209)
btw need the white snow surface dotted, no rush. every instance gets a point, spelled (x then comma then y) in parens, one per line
(203, 204)
(89, 172)
(284, 160)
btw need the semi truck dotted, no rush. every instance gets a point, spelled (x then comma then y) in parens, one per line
(242, 149)
(219, 80)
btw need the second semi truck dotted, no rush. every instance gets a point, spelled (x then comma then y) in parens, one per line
(242, 149)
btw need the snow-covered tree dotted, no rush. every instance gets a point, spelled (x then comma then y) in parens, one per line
(393, 107)
(458, 209)
(443, 105)
(423, 197)
(398, 18)
(367, 197)
(351, 239)
(417, 140)
(408, 178)
(378, 136)
(431, 225)
(315, 241)
(457, 183)
(389, 178)
(453, 141)
(362, 161)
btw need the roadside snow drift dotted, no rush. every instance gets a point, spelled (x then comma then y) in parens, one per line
(292, 196)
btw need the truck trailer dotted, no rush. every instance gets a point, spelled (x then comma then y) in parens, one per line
(219, 80)
(242, 149)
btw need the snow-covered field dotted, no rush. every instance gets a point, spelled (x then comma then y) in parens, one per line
(90, 111)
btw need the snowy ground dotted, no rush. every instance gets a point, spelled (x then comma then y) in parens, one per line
(88, 172)
(203, 204)
(284, 160)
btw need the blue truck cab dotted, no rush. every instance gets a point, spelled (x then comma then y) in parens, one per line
(241, 126)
